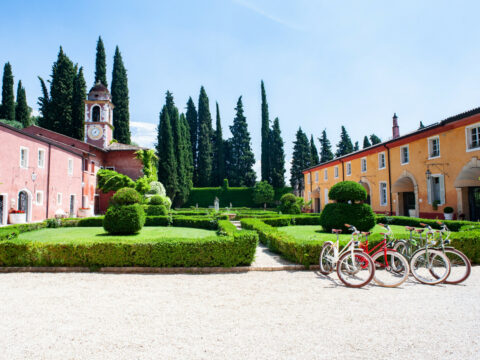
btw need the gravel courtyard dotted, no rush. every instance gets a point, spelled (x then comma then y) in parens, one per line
(256, 315)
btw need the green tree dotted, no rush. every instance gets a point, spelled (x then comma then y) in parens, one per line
(421, 126)
(22, 111)
(301, 159)
(78, 105)
(375, 139)
(149, 161)
(345, 145)
(167, 172)
(326, 153)
(265, 157)
(7, 109)
(356, 147)
(263, 193)
(313, 152)
(101, 63)
(218, 152)
(43, 104)
(120, 99)
(192, 119)
(366, 142)
(188, 156)
(242, 156)
(277, 156)
(205, 150)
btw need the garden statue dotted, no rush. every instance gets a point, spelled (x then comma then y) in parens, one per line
(216, 204)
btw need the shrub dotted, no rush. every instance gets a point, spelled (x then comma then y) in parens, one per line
(345, 191)
(158, 221)
(448, 210)
(453, 225)
(54, 223)
(91, 221)
(124, 219)
(289, 204)
(204, 197)
(225, 227)
(468, 242)
(157, 188)
(161, 200)
(8, 233)
(263, 193)
(155, 210)
(126, 196)
(195, 222)
(336, 215)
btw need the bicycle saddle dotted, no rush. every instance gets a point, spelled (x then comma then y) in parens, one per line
(336, 231)
(409, 228)
(419, 230)
(366, 233)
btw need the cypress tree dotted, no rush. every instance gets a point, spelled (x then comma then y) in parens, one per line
(7, 109)
(356, 147)
(375, 139)
(43, 104)
(366, 142)
(120, 99)
(421, 126)
(345, 145)
(326, 153)
(205, 151)
(277, 158)
(167, 172)
(218, 152)
(242, 156)
(101, 63)
(265, 157)
(301, 159)
(187, 150)
(192, 119)
(78, 105)
(22, 112)
(313, 151)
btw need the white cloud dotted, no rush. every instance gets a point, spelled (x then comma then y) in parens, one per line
(143, 133)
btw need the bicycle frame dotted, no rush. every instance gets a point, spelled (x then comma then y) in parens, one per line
(351, 246)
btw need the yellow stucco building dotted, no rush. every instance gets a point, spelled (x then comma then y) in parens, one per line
(417, 174)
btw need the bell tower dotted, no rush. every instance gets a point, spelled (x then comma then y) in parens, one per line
(99, 116)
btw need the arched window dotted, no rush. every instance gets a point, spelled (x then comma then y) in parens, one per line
(96, 114)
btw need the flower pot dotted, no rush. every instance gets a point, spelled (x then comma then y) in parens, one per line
(83, 213)
(411, 212)
(448, 216)
(17, 218)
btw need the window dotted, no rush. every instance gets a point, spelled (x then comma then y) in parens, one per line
(335, 172)
(326, 196)
(364, 164)
(110, 168)
(70, 166)
(325, 174)
(308, 178)
(41, 158)
(433, 147)
(473, 137)
(85, 164)
(381, 161)
(349, 168)
(383, 193)
(316, 176)
(96, 114)
(436, 189)
(59, 198)
(404, 156)
(93, 167)
(23, 157)
(309, 195)
(39, 197)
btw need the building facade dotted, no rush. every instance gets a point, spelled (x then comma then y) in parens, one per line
(417, 174)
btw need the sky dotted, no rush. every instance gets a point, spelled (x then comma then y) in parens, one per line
(324, 63)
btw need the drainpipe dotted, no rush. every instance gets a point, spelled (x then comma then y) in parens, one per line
(343, 170)
(48, 179)
(389, 179)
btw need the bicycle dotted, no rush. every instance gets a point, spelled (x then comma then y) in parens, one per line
(428, 265)
(391, 267)
(353, 270)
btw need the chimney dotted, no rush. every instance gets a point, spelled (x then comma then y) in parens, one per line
(395, 128)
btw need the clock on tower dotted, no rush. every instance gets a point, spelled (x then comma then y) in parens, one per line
(99, 116)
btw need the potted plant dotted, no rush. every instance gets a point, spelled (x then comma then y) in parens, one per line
(17, 217)
(83, 212)
(448, 213)
(435, 204)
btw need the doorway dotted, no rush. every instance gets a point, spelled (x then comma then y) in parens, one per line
(408, 202)
(317, 205)
(1, 210)
(474, 203)
(23, 203)
(72, 205)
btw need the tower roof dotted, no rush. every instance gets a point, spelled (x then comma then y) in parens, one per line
(99, 92)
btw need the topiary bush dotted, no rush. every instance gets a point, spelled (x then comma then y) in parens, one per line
(289, 204)
(336, 215)
(156, 210)
(346, 191)
(126, 196)
(124, 219)
(157, 188)
(161, 200)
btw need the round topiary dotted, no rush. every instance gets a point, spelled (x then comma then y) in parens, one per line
(336, 215)
(156, 210)
(156, 200)
(346, 191)
(289, 204)
(126, 196)
(124, 219)
(157, 188)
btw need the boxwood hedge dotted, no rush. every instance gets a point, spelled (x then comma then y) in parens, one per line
(453, 225)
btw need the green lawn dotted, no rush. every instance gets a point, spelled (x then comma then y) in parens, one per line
(98, 234)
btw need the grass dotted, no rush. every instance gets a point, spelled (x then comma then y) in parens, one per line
(97, 234)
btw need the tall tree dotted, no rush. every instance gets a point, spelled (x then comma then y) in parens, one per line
(265, 157)
(277, 158)
(7, 109)
(192, 119)
(22, 112)
(43, 103)
(188, 156)
(326, 153)
(167, 164)
(218, 152)
(375, 139)
(345, 145)
(313, 152)
(78, 105)
(366, 142)
(242, 155)
(101, 63)
(204, 160)
(301, 159)
(120, 99)
(356, 147)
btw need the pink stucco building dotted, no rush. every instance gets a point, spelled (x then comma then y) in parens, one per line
(44, 173)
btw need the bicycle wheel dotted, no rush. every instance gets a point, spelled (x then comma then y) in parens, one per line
(391, 270)
(327, 259)
(460, 266)
(401, 248)
(355, 270)
(425, 263)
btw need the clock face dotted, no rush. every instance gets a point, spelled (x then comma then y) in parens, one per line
(95, 132)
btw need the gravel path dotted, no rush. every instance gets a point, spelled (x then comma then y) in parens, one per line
(256, 315)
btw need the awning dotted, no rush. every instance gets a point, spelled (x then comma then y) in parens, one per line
(468, 177)
(404, 184)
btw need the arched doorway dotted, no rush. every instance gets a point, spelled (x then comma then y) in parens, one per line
(406, 189)
(24, 203)
(366, 185)
(467, 184)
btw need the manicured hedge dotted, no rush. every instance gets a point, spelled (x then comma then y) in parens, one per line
(336, 215)
(124, 219)
(155, 210)
(453, 225)
(8, 233)
(225, 227)
(91, 221)
(468, 242)
(286, 220)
